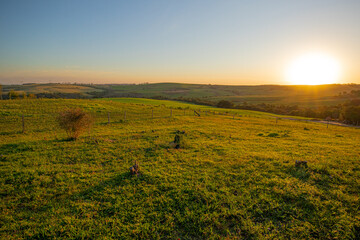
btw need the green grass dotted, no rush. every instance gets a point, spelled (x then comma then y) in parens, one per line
(181, 105)
(155, 102)
(235, 178)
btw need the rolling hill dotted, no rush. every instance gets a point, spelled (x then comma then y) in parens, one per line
(305, 96)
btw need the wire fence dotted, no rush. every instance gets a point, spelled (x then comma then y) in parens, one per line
(40, 122)
(28, 121)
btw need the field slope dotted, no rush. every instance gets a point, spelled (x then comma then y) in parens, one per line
(232, 178)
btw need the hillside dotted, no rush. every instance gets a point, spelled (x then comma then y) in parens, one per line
(304, 96)
(62, 90)
(233, 177)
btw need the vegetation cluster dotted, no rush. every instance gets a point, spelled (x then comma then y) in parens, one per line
(347, 112)
(74, 121)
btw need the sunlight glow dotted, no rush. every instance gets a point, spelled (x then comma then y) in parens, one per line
(313, 69)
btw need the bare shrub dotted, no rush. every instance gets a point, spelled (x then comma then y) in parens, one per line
(74, 121)
(135, 170)
(301, 164)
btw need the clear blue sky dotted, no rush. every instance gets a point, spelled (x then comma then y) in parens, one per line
(224, 42)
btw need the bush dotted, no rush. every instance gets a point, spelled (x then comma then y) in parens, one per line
(74, 122)
(225, 104)
(13, 95)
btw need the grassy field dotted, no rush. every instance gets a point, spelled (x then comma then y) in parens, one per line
(190, 106)
(232, 178)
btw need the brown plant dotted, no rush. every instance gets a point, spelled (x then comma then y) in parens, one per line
(74, 121)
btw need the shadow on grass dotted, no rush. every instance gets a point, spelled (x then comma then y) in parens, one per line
(27, 146)
(9, 133)
(323, 180)
(15, 148)
(300, 173)
(121, 180)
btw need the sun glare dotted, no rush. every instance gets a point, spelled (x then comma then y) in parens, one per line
(313, 69)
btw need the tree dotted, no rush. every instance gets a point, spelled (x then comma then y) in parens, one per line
(352, 114)
(31, 95)
(13, 95)
(225, 104)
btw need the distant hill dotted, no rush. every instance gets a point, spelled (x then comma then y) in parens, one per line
(307, 96)
(275, 94)
(53, 90)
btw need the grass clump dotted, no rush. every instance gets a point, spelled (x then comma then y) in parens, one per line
(273, 135)
(74, 121)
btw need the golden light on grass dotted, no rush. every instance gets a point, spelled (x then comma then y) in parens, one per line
(313, 69)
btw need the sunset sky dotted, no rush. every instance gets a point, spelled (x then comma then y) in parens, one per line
(217, 42)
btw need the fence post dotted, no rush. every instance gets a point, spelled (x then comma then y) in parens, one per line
(276, 120)
(125, 115)
(108, 118)
(327, 125)
(23, 123)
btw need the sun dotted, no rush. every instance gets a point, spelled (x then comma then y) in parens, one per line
(313, 69)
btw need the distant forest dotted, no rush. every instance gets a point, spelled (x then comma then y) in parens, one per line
(347, 112)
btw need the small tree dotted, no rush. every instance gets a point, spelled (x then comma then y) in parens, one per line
(225, 104)
(13, 95)
(31, 95)
(74, 121)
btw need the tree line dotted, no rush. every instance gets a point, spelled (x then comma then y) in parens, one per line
(347, 112)
(23, 95)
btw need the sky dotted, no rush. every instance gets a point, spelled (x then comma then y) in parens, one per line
(192, 41)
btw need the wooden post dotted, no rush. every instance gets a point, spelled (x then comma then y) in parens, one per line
(327, 125)
(276, 120)
(152, 113)
(184, 112)
(124, 115)
(23, 123)
(108, 118)
(234, 116)
(170, 113)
